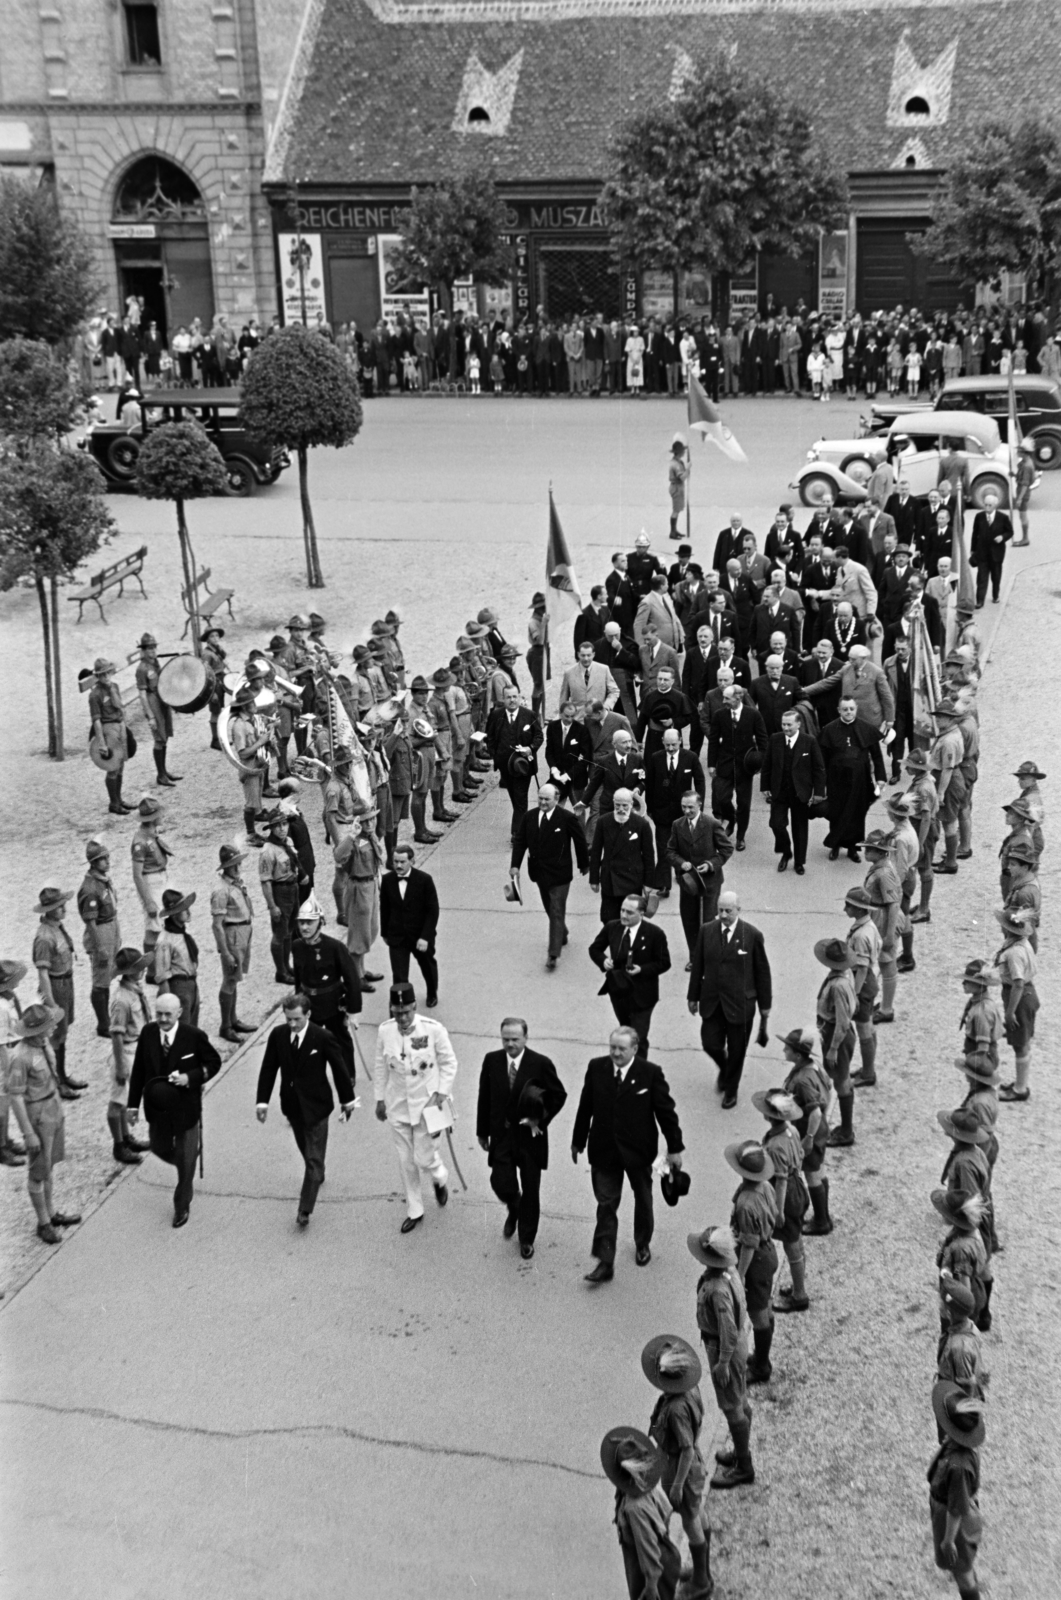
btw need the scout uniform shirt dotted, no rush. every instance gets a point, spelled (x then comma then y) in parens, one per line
(96, 895)
(722, 1317)
(105, 704)
(675, 1426)
(411, 1067)
(837, 1004)
(277, 863)
(906, 848)
(129, 1015)
(642, 1521)
(338, 804)
(882, 883)
(173, 956)
(809, 1086)
(964, 1255)
(147, 683)
(953, 1486)
(961, 1359)
(151, 855)
(984, 1023)
(864, 946)
(230, 904)
(754, 1215)
(785, 1149)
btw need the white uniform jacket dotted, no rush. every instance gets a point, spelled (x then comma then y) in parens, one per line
(411, 1067)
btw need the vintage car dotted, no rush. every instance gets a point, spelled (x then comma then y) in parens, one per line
(1037, 401)
(914, 443)
(115, 447)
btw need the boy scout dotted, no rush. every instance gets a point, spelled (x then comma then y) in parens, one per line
(642, 1513)
(151, 858)
(954, 1484)
(53, 957)
(158, 714)
(864, 948)
(722, 1317)
(232, 919)
(983, 1021)
(836, 1007)
(673, 1366)
(885, 890)
(128, 1015)
(97, 904)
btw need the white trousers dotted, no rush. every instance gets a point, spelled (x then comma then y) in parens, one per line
(417, 1154)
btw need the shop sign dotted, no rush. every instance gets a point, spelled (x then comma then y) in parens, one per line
(744, 292)
(132, 230)
(417, 304)
(630, 297)
(301, 276)
(344, 216)
(517, 243)
(832, 275)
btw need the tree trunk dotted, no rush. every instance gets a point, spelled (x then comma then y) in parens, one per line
(49, 687)
(314, 576)
(189, 575)
(60, 751)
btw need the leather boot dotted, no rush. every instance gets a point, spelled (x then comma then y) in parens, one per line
(845, 1133)
(421, 833)
(867, 1077)
(215, 742)
(759, 1367)
(114, 791)
(124, 1156)
(702, 1584)
(248, 828)
(390, 839)
(742, 1470)
(906, 962)
(69, 1088)
(949, 864)
(100, 999)
(161, 777)
(227, 1031)
(819, 1199)
(123, 804)
(439, 812)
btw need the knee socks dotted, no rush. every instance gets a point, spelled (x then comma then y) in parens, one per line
(797, 1264)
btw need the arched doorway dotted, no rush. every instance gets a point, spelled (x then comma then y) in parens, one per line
(162, 245)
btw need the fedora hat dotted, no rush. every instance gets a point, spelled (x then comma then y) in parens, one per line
(753, 760)
(956, 1295)
(748, 1158)
(36, 1021)
(631, 1460)
(832, 953)
(1029, 769)
(960, 1415)
(859, 895)
(518, 763)
(713, 1247)
(670, 1363)
(129, 959)
(692, 882)
(959, 1209)
(776, 1106)
(674, 1183)
(229, 853)
(803, 1040)
(981, 972)
(173, 900)
(96, 850)
(50, 897)
(1020, 923)
(12, 972)
(512, 892)
(980, 1067)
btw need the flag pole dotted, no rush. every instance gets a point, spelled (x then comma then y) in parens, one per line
(688, 482)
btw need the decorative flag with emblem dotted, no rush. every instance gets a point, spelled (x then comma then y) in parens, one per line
(706, 418)
(561, 584)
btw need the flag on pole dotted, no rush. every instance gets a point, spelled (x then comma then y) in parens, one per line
(963, 596)
(1012, 436)
(924, 673)
(563, 597)
(706, 418)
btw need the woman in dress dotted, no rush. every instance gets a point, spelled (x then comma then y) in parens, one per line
(635, 360)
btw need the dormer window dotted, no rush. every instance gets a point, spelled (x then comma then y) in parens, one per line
(917, 106)
(478, 117)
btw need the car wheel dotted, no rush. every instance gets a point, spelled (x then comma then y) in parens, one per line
(989, 483)
(814, 488)
(240, 478)
(859, 468)
(1047, 451)
(122, 456)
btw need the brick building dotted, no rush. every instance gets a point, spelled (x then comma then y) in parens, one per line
(386, 93)
(152, 119)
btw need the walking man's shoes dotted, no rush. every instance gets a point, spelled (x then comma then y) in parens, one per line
(431, 1002)
(728, 1102)
(550, 964)
(180, 1218)
(643, 1256)
(782, 865)
(603, 1272)
(64, 1219)
(510, 1225)
(526, 1251)
(441, 1193)
(303, 1219)
(410, 1223)
(732, 1477)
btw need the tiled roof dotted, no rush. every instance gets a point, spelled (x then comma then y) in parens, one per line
(378, 99)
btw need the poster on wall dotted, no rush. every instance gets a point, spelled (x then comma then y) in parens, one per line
(832, 276)
(696, 293)
(391, 301)
(657, 294)
(744, 292)
(301, 276)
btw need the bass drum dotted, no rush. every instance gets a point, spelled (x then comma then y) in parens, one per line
(185, 684)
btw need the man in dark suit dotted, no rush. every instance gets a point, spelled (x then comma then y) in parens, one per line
(826, 524)
(730, 543)
(736, 731)
(621, 858)
(727, 657)
(171, 1064)
(326, 974)
(546, 838)
(302, 1053)
(992, 531)
(815, 585)
(698, 657)
(619, 655)
(717, 613)
(663, 707)
(589, 624)
(730, 977)
(519, 1095)
(669, 774)
(568, 753)
(793, 773)
(408, 920)
(642, 566)
(894, 588)
(625, 1105)
(697, 849)
(844, 629)
(679, 569)
(623, 597)
(513, 738)
(775, 693)
(622, 769)
(769, 618)
(821, 668)
(905, 512)
(632, 953)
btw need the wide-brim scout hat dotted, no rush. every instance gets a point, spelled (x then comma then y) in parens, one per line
(277, 643)
(748, 1158)
(486, 616)
(670, 1363)
(802, 1040)
(96, 850)
(101, 664)
(419, 685)
(713, 1247)
(244, 696)
(981, 972)
(213, 633)
(229, 853)
(509, 653)
(466, 646)
(947, 709)
(675, 1183)
(956, 1295)
(858, 895)
(899, 805)
(173, 900)
(916, 761)
(537, 599)
(776, 1106)
(298, 623)
(475, 630)
(877, 840)
(149, 807)
(1016, 922)
(442, 678)
(1023, 851)
(631, 1460)
(1029, 769)
(316, 620)
(960, 1415)
(1020, 808)
(959, 1209)
(360, 652)
(129, 960)
(980, 1067)
(382, 630)
(36, 1021)
(50, 897)
(12, 972)
(393, 617)
(147, 641)
(832, 953)
(962, 1126)
(361, 808)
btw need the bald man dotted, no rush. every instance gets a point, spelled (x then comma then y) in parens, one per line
(729, 978)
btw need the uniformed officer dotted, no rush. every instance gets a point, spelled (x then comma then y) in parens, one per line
(53, 957)
(232, 918)
(97, 903)
(151, 857)
(784, 1146)
(673, 1366)
(326, 974)
(414, 1068)
(128, 1014)
(158, 714)
(107, 724)
(753, 1220)
(836, 1006)
(885, 890)
(279, 874)
(954, 1485)
(722, 1317)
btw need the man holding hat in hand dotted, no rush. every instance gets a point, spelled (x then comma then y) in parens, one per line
(172, 1063)
(642, 1513)
(722, 1317)
(729, 977)
(513, 737)
(954, 1485)
(673, 1366)
(414, 1069)
(519, 1095)
(129, 1014)
(232, 919)
(107, 725)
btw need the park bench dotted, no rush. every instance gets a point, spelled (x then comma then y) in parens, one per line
(111, 577)
(208, 603)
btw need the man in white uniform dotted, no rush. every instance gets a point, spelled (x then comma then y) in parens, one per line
(414, 1068)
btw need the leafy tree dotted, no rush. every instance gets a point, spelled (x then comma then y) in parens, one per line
(178, 462)
(999, 205)
(37, 397)
(453, 230)
(53, 516)
(299, 393)
(729, 168)
(47, 270)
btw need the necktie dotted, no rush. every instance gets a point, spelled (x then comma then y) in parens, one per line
(165, 1047)
(512, 1070)
(586, 676)
(624, 949)
(673, 763)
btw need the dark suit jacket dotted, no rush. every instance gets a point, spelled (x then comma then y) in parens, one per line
(982, 546)
(732, 974)
(722, 626)
(728, 742)
(906, 517)
(742, 673)
(764, 623)
(502, 737)
(403, 921)
(728, 547)
(547, 846)
(842, 641)
(664, 789)
(497, 1117)
(611, 774)
(622, 857)
(624, 656)
(624, 602)
(570, 751)
(772, 703)
(165, 1103)
(648, 952)
(305, 1093)
(807, 772)
(589, 626)
(621, 1122)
